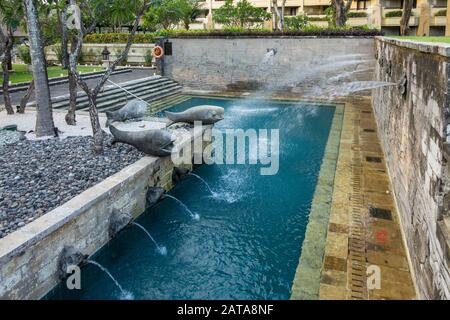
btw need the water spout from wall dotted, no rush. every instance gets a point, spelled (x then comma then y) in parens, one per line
(203, 181)
(126, 295)
(162, 250)
(194, 216)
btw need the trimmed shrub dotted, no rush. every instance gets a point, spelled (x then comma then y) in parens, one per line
(117, 38)
(310, 30)
(392, 14)
(357, 14)
(23, 52)
(318, 18)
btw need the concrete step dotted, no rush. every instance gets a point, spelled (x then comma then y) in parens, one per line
(148, 96)
(111, 89)
(111, 97)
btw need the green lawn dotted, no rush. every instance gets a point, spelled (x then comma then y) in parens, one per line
(21, 74)
(423, 39)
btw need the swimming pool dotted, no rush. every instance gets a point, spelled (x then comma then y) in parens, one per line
(247, 242)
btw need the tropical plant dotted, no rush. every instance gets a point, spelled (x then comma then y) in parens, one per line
(188, 11)
(296, 22)
(148, 58)
(164, 15)
(23, 52)
(242, 15)
(115, 13)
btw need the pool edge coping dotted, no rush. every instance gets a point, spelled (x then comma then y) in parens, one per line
(306, 283)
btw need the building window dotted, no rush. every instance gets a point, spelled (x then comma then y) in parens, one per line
(362, 4)
(397, 4)
(290, 11)
(440, 4)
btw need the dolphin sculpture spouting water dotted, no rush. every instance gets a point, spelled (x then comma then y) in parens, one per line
(134, 109)
(154, 142)
(205, 113)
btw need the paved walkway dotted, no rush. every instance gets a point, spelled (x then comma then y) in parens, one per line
(364, 229)
(62, 89)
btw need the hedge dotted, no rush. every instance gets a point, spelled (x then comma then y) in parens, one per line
(391, 14)
(118, 38)
(318, 19)
(310, 30)
(307, 31)
(357, 14)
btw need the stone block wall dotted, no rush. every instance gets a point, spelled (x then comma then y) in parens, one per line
(299, 64)
(412, 119)
(92, 53)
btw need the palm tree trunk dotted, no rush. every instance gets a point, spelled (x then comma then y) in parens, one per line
(6, 97)
(44, 116)
(26, 97)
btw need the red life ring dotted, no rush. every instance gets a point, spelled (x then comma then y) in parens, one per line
(157, 51)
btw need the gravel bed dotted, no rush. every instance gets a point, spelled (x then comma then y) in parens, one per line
(8, 137)
(38, 176)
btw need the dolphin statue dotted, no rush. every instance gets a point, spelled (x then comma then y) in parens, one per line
(205, 113)
(133, 109)
(154, 142)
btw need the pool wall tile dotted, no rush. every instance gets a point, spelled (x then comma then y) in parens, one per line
(307, 278)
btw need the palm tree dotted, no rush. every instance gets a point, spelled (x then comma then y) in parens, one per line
(44, 116)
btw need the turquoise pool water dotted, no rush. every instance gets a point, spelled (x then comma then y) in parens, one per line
(247, 242)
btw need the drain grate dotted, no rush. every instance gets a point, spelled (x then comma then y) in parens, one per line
(380, 213)
(369, 130)
(373, 159)
(364, 111)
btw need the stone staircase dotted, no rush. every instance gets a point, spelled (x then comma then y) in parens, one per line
(151, 89)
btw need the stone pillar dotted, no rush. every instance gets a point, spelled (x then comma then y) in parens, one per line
(447, 22)
(424, 19)
(375, 15)
(159, 62)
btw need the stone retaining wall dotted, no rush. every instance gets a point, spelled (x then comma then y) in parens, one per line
(92, 53)
(29, 256)
(299, 64)
(412, 119)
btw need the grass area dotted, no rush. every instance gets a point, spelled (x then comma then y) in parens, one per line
(423, 39)
(21, 74)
